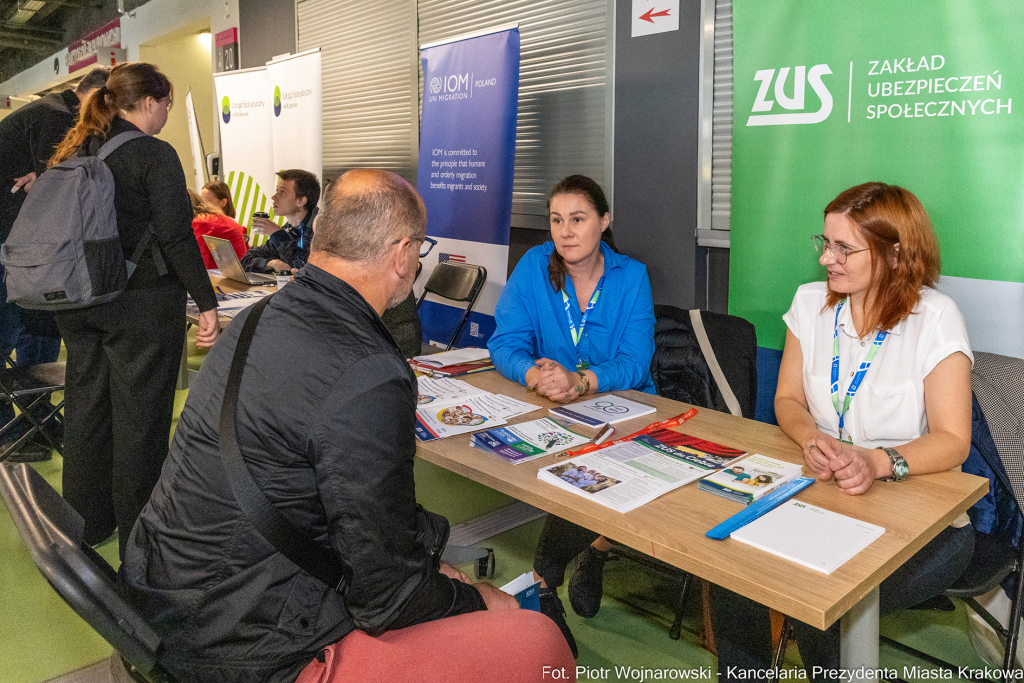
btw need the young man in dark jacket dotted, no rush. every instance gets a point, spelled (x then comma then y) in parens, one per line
(295, 198)
(329, 438)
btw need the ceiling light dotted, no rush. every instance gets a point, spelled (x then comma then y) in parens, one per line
(32, 5)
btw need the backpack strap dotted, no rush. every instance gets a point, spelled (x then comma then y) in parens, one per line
(113, 143)
(716, 369)
(288, 539)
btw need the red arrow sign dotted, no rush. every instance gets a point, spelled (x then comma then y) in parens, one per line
(648, 16)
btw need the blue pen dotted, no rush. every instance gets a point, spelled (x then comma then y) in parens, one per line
(759, 508)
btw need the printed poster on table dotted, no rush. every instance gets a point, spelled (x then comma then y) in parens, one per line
(466, 164)
(926, 95)
(297, 121)
(246, 140)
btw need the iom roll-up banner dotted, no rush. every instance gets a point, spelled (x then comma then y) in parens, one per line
(297, 120)
(466, 163)
(246, 142)
(926, 95)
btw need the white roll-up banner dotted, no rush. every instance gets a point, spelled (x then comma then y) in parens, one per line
(297, 112)
(246, 140)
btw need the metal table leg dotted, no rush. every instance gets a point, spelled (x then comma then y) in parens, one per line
(859, 637)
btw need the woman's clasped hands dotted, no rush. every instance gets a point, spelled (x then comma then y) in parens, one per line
(852, 467)
(552, 380)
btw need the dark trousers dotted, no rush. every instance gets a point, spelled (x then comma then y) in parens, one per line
(123, 359)
(743, 632)
(560, 542)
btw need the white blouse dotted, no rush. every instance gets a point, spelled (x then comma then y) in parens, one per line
(888, 408)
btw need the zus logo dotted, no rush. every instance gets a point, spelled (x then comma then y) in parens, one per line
(795, 103)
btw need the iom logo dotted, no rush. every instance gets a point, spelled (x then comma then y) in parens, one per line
(277, 101)
(435, 85)
(225, 109)
(791, 102)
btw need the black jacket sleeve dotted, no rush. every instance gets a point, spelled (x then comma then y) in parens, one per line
(389, 546)
(172, 223)
(256, 260)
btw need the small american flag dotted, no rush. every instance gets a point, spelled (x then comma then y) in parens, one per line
(455, 258)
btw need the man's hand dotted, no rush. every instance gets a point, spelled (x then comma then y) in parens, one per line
(209, 328)
(496, 599)
(277, 264)
(453, 573)
(24, 182)
(264, 226)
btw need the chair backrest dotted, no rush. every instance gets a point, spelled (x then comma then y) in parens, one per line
(456, 281)
(680, 371)
(998, 382)
(52, 531)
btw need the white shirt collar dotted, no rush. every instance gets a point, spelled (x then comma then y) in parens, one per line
(848, 328)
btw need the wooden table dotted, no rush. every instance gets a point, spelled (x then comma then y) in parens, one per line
(672, 527)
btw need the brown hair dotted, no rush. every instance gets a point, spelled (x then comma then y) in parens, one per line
(592, 192)
(200, 207)
(306, 185)
(127, 85)
(220, 190)
(887, 216)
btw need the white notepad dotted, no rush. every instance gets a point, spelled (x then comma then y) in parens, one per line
(809, 535)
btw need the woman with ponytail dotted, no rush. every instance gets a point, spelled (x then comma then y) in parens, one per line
(575, 318)
(123, 356)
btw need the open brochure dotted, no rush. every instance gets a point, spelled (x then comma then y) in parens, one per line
(230, 304)
(749, 479)
(806, 534)
(629, 474)
(526, 590)
(456, 357)
(437, 419)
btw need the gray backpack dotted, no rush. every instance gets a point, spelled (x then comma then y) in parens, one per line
(64, 251)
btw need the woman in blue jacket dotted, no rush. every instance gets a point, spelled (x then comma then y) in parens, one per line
(575, 318)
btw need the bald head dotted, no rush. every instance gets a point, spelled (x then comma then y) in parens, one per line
(365, 212)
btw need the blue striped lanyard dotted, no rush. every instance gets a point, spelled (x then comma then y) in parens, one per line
(857, 378)
(577, 335)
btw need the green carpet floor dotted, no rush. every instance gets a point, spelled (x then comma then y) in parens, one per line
(41, 638)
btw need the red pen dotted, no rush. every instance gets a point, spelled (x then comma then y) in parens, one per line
(653, 427)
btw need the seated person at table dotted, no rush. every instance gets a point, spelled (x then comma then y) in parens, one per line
(296, 197)
(332, 447)
(575, 318)
(207, 220)
(218, 193)
(907, 413)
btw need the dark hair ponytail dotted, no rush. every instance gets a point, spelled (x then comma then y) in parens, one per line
(127, 85)
(592, 192)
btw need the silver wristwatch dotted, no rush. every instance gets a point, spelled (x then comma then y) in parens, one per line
(900, 468)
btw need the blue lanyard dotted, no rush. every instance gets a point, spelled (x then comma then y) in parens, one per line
(857, 378)
(578, 335)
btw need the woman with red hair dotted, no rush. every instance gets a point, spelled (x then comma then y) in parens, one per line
(875, 384)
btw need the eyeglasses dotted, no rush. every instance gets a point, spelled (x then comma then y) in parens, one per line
(428, 244)
(839, 252)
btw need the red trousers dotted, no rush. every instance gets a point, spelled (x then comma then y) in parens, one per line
(518, 646)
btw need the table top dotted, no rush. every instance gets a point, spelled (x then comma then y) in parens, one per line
(229, 285)
(672, 527)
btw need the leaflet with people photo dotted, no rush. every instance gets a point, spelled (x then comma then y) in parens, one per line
(437, 419)
(635, 472)
(529, 440)
(749, 479)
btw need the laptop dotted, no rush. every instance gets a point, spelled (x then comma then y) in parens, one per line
(227, 260)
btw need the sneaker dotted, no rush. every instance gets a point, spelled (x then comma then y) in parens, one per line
(551, 607)
(586, 584)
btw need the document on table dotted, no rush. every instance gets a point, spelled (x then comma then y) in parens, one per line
(229, 304)
(808, 535)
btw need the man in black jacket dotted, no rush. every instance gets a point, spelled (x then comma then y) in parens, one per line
(28, 138)
(295, 198)
(329, 437)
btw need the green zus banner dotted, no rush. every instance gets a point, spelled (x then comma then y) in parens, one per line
(927, 95)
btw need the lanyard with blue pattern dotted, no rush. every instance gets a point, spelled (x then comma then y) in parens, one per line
(857, 378)
(577, 335)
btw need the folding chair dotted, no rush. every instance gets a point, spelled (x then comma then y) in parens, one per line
(29, 390)
(456, 282)
(52, 531)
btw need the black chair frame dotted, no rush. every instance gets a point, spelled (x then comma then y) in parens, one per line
(27, 388)
(460, 282)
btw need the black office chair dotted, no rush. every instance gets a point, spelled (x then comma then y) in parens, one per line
(52, 531)
(457, 282)
(29, 390)
(681, 372)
